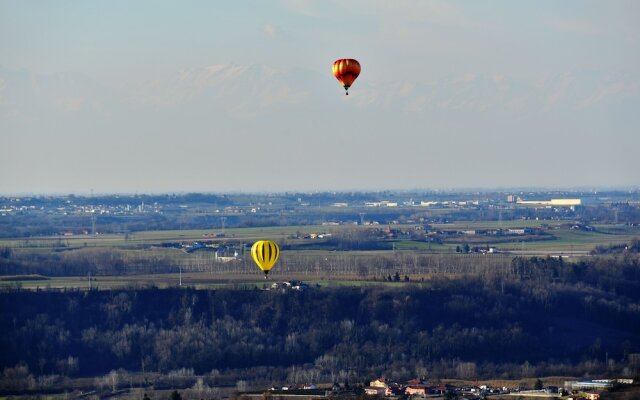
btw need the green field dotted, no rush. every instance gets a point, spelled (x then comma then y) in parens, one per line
(561, 238)
(198, 280)
(156, 237)
(304, 259)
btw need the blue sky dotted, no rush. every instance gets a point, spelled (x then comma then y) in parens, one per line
(209, 96)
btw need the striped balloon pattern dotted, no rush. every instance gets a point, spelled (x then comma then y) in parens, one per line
(265, 253)
(346, 70)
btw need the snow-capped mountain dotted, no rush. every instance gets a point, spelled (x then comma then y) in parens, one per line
(239, 91)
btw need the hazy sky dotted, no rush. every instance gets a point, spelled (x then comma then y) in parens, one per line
(168, 96)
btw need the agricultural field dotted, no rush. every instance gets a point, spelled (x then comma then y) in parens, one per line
(561, 236)
(62, 241)
(316, 261)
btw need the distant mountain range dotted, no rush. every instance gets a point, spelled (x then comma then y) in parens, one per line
(241, 91)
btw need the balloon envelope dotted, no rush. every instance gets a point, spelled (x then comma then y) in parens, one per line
(346, 70)
(265, 253)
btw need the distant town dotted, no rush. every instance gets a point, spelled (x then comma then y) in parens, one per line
(422, 388)
(99, 214)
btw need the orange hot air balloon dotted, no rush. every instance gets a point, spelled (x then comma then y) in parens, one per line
(346, 70)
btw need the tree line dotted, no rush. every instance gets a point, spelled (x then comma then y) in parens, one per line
(548, 318)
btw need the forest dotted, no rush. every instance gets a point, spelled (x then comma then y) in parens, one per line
(547, 317)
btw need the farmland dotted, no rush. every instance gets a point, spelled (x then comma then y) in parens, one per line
(66, 240)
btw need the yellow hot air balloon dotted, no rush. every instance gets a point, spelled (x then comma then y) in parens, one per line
(265, 253)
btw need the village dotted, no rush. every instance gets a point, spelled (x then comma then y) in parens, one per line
(422, 388)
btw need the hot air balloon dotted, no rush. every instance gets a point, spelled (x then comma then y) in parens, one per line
(346, 70)
(265, 253)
